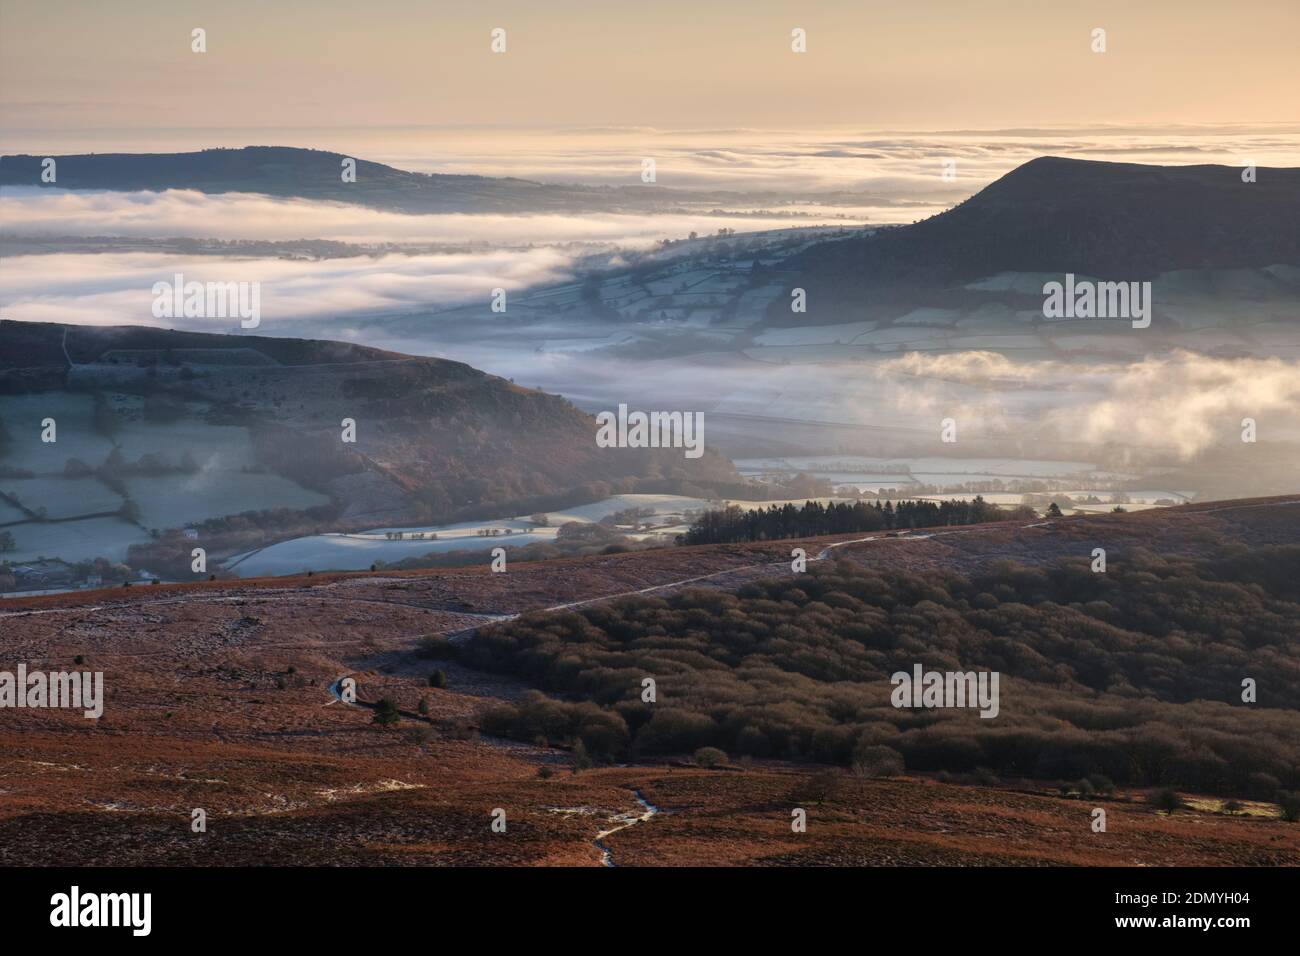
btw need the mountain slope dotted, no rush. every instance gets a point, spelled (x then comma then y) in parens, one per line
(1111, 220)
(434, 438)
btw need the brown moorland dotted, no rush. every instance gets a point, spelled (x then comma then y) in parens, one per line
(218, 696)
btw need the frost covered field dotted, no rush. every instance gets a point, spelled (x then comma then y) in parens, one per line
(62, 497)
(351, 552)
(75, 540)
(73, 413)
(174, 501)
(670, 515)
(66, 500)
(354, 552)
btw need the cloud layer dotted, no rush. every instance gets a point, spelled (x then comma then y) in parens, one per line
(898, 176)
(1183, 401)
(116, 288)
(36, 211)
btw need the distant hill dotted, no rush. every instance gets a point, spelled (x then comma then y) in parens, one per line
(30, 345)
(1108, 220)
(316, 174)
(435, 439)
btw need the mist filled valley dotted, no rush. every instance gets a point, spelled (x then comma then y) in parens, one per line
(650, 296)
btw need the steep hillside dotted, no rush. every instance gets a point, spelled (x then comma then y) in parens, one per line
(1111, 220)
(200, 414)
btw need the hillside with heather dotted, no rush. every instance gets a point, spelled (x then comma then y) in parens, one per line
(1120, 691)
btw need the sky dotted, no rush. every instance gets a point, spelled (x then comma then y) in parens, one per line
(670, 64)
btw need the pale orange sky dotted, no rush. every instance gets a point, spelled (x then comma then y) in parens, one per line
(921, 64)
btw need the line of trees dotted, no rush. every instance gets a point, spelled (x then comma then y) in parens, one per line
(733, 523)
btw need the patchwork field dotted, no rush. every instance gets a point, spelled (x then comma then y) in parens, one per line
(62, 497)
(81, 540)
(172, 501)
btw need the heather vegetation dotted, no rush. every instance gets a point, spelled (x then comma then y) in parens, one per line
(1132, 676)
